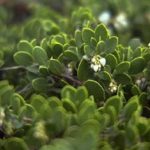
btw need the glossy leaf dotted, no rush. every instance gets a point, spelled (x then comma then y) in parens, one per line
(15, 143)
(122, 67)
(40, 84)
(111, 61)
(114, 101)
(131, 107)
(111, 44)
(123, 78)
(56, 67)
(78, 38)
(40, 55)
(25, 46)
(23, 58)
(137, 65)
(101, 32)
(84, 71)
(87, 33)
(95, 89)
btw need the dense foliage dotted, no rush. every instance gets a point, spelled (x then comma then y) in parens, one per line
(74, 78)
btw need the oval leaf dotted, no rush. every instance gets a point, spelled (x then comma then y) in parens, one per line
(95, 89)
(101, 32)
(23, 58)
(40, 55)
(56, 67)
(87, 33)
(122, 67)
(137, 65)
(84, 71)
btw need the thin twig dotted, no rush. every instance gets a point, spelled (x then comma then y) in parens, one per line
(12, 68)
(72, 79)
(26, 88)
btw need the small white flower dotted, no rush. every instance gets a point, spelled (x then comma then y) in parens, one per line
(97, 63)
(113, 86)
(138, 82)
(103, 61)
(85, 57)
(95, 67)
(149, 44)
(121, 21)
(105, 17)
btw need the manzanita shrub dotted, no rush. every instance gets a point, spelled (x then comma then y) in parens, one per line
(70, 84)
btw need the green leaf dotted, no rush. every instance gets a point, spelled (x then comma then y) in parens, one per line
(17, 102)
(100, 47)
(40, 55)
(15, 143)
(72, 56)
(101, 32)
(114, 101)
(111, 60)
(93, 42)
(122, 78)
(95, 89)
(6, 92)
(131, 107)
(105, 76)
(135, 43)
(25, 46)
(44, 43)
(69, 92)
(57, 48)
(122, 67)
(69, 105)
(135, 90)
(84, 71)
(137, 52)
(88, 50)
(43, 70)
(143, 125)
(23, 58)
(56, 67)
(54, 102)
(111, 111)
(87, 34)
(40, 84)
(111, 44)
(33, 42)
(146, 57)
(78, 38)
(50, 27)
(137, 65)
(86, 110)
(105, 146)
(81, 94)
(132, 134)
(91, 124)
(59, 120)
(27, 111)
(3, 83)
(37, 102)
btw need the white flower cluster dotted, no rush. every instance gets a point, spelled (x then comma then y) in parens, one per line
(97, 63)
(113, 86)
